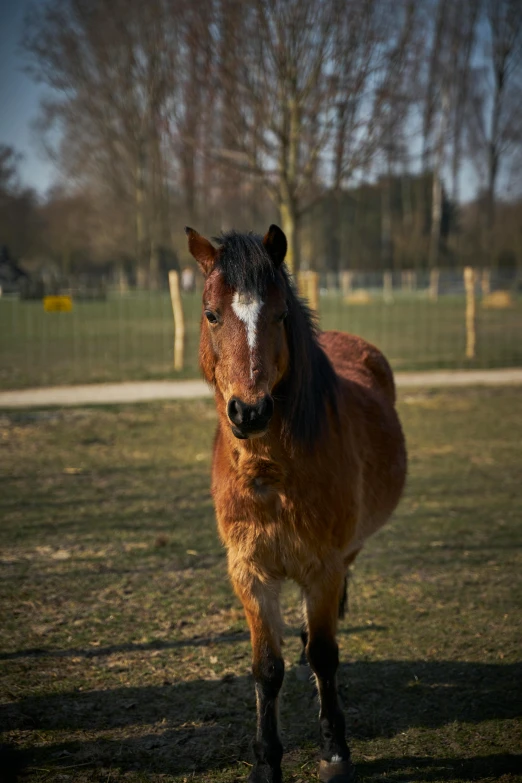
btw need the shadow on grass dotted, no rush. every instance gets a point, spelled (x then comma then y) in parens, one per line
(422, 768)
(156, 644)
(207, 724)
(128, 647)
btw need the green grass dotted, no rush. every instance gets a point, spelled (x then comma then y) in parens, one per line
(131, 338)
(124, 654)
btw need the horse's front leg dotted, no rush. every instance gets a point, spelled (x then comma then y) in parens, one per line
(321, 609)
(261, 604)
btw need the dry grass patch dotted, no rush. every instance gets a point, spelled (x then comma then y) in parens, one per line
(125, 655)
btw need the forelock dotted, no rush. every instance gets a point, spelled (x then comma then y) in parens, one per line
(244, 263)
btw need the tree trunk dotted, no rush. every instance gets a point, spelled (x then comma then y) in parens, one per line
(334, 259)
(436, 215)
(289, 165)
(490, 197)
(141, 262)
(436, 198)
(290, 225)
(335, 248)
(386, 224)
(499, 71)
(154, 267)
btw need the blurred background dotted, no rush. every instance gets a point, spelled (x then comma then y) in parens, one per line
(384, 137)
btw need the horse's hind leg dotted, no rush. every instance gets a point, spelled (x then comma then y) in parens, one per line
(322, 604)
(261, 604)
(341, 612)
(343, 602)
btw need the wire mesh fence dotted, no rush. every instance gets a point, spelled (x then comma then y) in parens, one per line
(130, 336)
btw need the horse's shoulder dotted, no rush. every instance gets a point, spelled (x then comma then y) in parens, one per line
(358, 361)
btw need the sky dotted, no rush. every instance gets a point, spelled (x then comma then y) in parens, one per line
(20, 97)
(19, 100)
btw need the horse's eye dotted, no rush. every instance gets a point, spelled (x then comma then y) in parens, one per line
(281, 318)
(211, 317)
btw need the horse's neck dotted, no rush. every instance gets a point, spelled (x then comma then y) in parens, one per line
(253, 453)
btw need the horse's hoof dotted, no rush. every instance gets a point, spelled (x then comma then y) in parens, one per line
(337, 772)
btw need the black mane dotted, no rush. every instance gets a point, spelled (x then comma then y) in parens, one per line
(310, 386)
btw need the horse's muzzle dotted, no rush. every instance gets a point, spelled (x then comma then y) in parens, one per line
(249, 421)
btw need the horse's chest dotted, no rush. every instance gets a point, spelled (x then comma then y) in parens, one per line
(266, 528)
(272, 548)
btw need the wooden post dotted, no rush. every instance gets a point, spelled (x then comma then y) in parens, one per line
(469, 284)
(179, 321)
(434, 285)
(346, 283)
(387, 287)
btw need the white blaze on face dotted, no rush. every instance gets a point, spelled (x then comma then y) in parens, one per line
(247, 309)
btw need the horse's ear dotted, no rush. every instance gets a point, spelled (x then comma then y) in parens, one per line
(204, 253)
(275, 244)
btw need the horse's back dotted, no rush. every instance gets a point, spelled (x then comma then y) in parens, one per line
(359, 361)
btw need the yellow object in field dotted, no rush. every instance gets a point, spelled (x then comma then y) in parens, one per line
(359, 297)
(498, 300)
(57, 304)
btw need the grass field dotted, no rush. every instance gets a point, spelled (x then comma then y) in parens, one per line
(124, 654)
(131, 338)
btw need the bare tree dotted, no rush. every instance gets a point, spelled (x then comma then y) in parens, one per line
(394, 97)
(358, 38)
(505, 20)
(111, 65)
(464, 39)
(171, 111)
(495, 123)
(283, 120)
(445, 102)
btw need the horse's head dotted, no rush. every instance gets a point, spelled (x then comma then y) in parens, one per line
(243, 343)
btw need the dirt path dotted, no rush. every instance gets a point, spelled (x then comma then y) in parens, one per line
(145, 391)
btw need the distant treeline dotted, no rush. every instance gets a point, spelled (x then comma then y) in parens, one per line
(352, 123)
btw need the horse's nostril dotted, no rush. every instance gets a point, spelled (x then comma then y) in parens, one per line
(250, 417)
(267, 407)
(235, 411)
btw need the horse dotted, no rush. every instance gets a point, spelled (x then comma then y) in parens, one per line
(309, 460)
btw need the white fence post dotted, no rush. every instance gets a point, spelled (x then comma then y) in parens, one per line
(469, 284)
(179, 321)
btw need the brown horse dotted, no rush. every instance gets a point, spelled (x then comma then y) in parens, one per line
(309, 460)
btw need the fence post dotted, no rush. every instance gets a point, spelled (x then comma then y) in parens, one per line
(346, 283)
(434, 285)
(469, 284)
(179, 321)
